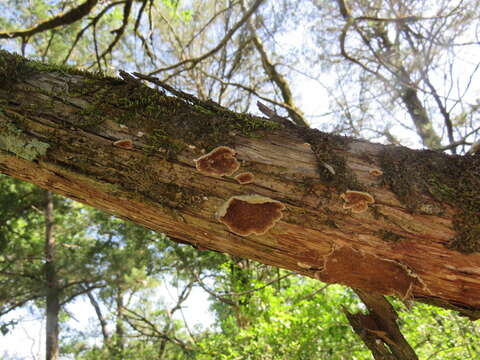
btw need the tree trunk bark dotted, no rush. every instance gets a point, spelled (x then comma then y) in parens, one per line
(379, 218)
(119, 325)
(52, 289)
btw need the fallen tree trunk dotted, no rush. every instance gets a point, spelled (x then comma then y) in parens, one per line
(379, 218)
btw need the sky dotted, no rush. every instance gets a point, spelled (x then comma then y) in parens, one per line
(27, 340)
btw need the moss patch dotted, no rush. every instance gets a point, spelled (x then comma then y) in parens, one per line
(14, 67)
(171, 123)
(448, 179)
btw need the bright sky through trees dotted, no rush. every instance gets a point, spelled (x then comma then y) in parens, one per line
(27, 340)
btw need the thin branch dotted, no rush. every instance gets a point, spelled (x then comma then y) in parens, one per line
(101, 319)
(212, 293)
(50, 40)
(276, 280)
(140, 15)
(97, 53)
(460, 142)
(194, 61)
(18, 304)
(119, 32)
(250, 90)
(208, 24)
(63, 19)
(133, 315)
(278, 79)
(93, 22)
(208, 104)
(312, 294)
(84, 290)
(444, 112)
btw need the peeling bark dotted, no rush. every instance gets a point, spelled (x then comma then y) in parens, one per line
(406, 243)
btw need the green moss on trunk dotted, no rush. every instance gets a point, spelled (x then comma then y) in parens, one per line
(448, 179)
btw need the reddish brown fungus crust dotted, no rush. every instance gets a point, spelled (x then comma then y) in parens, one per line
(124, 143)
(244, 178)
(357, 201)
(250, 214)
(220, 161)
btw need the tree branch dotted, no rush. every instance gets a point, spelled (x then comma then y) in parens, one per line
(379, 329)
(66, 18)
(278, 79)
(420, 202)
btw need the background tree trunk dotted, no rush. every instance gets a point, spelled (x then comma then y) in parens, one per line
(418, 240)
(51, 281)
(119, 325)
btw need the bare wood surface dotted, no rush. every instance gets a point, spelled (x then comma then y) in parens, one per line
(72, 121)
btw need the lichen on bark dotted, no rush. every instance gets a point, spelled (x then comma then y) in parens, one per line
(13, 140)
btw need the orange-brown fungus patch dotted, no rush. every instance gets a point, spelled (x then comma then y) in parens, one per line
(244, 178)
(357, 200)
(250, 214)
(124, 143)
(220, 161)
(376, 172)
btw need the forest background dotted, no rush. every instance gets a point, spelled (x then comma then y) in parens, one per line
(397, 72)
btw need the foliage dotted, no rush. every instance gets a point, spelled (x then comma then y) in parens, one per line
(297, 322)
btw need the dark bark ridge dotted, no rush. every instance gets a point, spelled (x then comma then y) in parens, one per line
(419, 240)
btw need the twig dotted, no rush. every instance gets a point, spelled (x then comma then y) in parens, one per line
(272, 115)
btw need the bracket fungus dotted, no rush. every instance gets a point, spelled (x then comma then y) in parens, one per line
(124, 143)
(244, 178)
(220, 161)
(357, 200)
(376, 172)
(250, 214)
